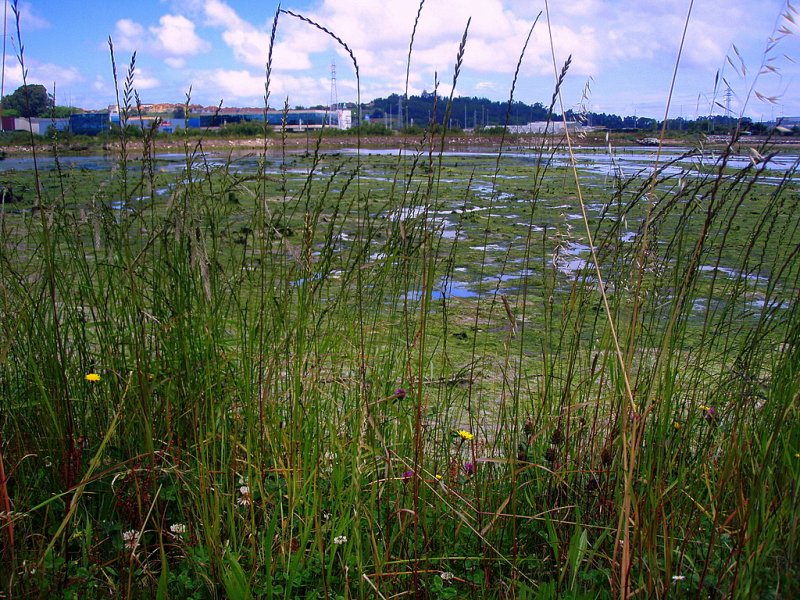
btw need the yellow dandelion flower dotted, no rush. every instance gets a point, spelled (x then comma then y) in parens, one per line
(464, 434)
(439, 477)
(93, 377)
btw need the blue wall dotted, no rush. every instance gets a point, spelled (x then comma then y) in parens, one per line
(89, 123)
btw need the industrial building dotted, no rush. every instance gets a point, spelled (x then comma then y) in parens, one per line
(293, 120)
(95, 123)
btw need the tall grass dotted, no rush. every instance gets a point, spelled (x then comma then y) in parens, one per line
(354, 375)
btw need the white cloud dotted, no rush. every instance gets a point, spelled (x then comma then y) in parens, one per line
(128, 35)
(175, 35)
(237, 87)
(175, 62)
(250, 44)
(46, 74)
(229, 84)
(100, 84)
(145, 81)
(29, 20)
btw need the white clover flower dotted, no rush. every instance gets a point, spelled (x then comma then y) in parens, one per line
(340, 539)
(245, 499)
(446, 576)
(131, 539)
(178, 528)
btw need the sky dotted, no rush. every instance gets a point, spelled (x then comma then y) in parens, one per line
(737, 53)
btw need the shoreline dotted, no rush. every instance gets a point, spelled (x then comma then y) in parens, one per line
(297, 143)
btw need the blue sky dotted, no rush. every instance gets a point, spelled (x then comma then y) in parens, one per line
(623, 50)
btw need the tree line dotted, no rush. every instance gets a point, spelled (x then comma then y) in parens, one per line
(396, 112)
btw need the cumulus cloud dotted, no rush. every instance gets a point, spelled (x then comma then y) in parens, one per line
(47, 74)
(128, 35)
(173, 37)
(250, 43)
(145, 81)
(242, 87)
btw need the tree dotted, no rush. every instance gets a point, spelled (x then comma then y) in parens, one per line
(33, 101)
(62, 112)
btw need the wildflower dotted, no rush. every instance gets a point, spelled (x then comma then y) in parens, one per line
(446, 576)
(340, 539)
(131, 539)
(244, 499)
(676, 425)
(439, 477)
(92, 377)
(407, 475)
(177, 529)
(464, 434)
(469, 469)
(678, 577)
(710, 413)
(399, 393)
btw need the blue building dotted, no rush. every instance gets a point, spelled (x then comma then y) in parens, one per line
(89, 123)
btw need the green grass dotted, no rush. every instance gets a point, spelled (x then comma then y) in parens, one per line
(252, 330)
(251, 320)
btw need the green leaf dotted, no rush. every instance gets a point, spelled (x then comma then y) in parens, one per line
(161, 592)
(235, 581)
